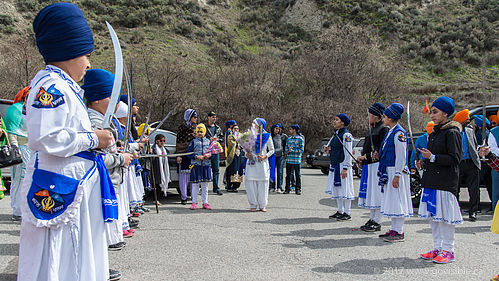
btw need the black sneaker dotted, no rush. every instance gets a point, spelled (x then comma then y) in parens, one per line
(183, 202)
(366, 224)
(219, 192)
(298, 192)
(395, 237)
(16, 218)
(286, 192)
(271, 189)
(387, 234)
(335, 215)
(114, 275)
(116, 247)
(372, 227)
(344, 217)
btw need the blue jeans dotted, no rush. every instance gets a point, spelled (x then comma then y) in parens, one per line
(495, 188)
(279, 164)
(215, 168)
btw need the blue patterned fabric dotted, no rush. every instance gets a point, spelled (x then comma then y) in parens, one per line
(430, 198)
(265, 135)
(387, 155)
(336, 170)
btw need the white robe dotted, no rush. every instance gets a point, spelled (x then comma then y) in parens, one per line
(76, 248)
(257, 177)
(397, 202)
(345, 191)
(164, 169)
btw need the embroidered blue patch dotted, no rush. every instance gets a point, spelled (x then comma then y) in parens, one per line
(401, 137)
(50, 98)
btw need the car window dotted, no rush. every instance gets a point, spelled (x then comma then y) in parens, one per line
(360, 143)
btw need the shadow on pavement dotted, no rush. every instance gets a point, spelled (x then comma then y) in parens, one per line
(5, 218)
(8, 277)
(462, 229)
(10, 232)
(10, 249)
(390, 266)
(186, 210)
(284, 221)
(339, 243)
(326, 232)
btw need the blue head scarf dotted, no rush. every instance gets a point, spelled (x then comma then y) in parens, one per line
(295, 127)
(445, 104)
(280, 125)
(98, 84)
(394, 111)
(188, 114)
(479, 121)
(230, 123)
(265, 135)
(62, 33)
(124, 98)
(344, 118)
(377, 109)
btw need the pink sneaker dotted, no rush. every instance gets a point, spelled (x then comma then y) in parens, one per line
(194, 206)
(206, 206)
(444, 257)
(132, 231)
(127, 234)
(430, 255)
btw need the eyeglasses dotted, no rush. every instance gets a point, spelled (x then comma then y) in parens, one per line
(162, 141)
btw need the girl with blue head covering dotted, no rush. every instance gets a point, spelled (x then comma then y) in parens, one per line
(60, 130)
(440, 182)
(393, 173)
(340, 178)
(257, 175)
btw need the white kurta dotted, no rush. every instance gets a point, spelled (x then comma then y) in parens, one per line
(396, 202)
(257, 176)
(345, 191)
(76, 248)
(373, 193)
(164, 169)
(448, 210)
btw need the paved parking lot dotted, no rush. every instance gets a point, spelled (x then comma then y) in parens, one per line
(295, 240)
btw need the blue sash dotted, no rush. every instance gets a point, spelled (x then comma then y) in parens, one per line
(430, 198)
(337, 176)
(109, 201)
(363, 181)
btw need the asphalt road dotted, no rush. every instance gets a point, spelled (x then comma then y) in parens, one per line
(295, 240)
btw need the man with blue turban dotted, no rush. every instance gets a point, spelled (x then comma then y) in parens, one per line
(63, 237)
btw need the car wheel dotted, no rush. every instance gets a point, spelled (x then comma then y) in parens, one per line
(325, 170)
(416, 189)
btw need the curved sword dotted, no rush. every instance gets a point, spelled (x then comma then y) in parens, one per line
(118, 78)
(146, 124)
(410, 134)
(160, 123)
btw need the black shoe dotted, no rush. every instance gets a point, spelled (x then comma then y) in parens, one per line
(286, 192)
(271, 189)
(114, 275)
(116, 247)
(369, 222)
(183, 202)
(130, 220)
(219, 192)
(16, 218)
(473, 217)
(372, 227)
(335, 215)
(344, 217)
(298, 192)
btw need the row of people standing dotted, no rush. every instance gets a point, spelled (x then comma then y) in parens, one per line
(385, 180)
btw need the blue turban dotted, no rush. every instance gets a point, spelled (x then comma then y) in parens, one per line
(445, 104)
(97, 84)
(124, 98)
(479, 121)
(295, 127)
(230, 123)
(377, 109)
(280, 125)
(62, 33)
(394, 111)
(260, 122)
(344, 118)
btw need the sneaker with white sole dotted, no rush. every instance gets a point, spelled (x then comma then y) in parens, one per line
(444, 257)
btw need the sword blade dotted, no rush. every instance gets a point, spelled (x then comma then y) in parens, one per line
(118, 78)
(162, 121)
(146, 124)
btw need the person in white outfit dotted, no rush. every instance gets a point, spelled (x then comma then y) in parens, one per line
(340, 178)
(62, 230)
(393, 175)
(257, 175)
(161, 169)
(440, 181)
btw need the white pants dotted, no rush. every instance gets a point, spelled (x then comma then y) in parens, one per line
(114, 232)
(258, 193)
(398, 225)
(15, 188)
(443, 235)
(375, 215)
(195, 191)
(344, 206)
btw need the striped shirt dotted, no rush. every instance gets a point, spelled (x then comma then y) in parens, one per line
(297, 147)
